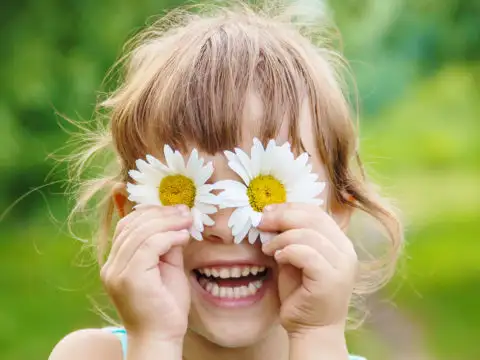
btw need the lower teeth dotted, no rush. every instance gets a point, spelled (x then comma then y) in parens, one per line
(235, 292)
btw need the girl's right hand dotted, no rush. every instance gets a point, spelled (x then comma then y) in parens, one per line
(144, 274)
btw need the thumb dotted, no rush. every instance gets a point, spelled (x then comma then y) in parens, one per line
(289, 279)
(174, 257)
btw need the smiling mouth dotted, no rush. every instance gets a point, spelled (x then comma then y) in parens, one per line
(236, 282)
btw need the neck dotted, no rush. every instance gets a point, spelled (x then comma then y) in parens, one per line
(274, 346)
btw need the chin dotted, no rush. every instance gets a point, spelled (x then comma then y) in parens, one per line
(238, 334)
(238, 320)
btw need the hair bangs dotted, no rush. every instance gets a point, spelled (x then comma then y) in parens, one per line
(199, 95)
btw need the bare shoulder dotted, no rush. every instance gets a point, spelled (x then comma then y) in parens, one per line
(92, 344)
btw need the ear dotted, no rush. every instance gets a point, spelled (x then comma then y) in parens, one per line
(120, 199)
(341, 213)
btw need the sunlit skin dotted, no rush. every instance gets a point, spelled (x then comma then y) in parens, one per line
(302, 311)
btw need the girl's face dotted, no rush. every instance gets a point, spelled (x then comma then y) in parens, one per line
(233, 286)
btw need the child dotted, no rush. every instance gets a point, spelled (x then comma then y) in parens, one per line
(223, 253)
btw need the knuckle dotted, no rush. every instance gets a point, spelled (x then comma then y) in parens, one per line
(147, 245)
(286, 218)
(119, 282)
(290, 206)
(150, 244)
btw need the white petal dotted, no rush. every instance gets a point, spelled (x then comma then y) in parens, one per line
(211, 199)
(179, 163)
(143, 194)
(240, 170)
(266, 237)
(192, 163)
(148, 170)
(234, 193)
(230, 155)
(205, 188)
(169, 157)
(241, 235)
(197, 220)
(157, 164)
(238, 219)
(257, 153)
(206, 208)
(145, 179)
(207, 220)
(253, 235)
(226, 202)
(203, 174)
(315, 201)
(230, 185)
(256, 217)
(318, 188)
(197, 235)
(302, 160)
(244, 160)
(305, 190)
(268, 158)
(138, 176)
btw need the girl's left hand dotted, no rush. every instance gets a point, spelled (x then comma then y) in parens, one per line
(317, 266)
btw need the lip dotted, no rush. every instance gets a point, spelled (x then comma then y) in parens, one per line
(231, 263)
(228, 302)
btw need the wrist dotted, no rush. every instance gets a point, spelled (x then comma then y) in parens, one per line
(149, 346)
(323, 342)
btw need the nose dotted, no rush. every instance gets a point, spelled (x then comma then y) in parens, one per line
(219, 232)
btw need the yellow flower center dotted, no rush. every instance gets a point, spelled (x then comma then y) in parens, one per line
(265, 190)
(177, 189)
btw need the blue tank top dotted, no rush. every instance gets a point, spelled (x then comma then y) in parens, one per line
(122, 336)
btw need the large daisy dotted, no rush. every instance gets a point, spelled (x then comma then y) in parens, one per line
(176, 183)
(270, 175)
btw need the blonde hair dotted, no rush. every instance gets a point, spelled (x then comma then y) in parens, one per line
(185, 80)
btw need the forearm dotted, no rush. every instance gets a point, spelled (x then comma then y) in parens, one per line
(320, 344)
(151, 349)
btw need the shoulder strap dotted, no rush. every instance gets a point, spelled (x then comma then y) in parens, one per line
(121, 334)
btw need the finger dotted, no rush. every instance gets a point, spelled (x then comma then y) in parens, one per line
(141, 211)
(174, 257)
(288, 216)
(146, 255)
(151, 227)
(159, 220)
(303, 257)
(309, 238)
(289, 279)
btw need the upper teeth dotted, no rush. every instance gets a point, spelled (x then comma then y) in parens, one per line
(231, 272)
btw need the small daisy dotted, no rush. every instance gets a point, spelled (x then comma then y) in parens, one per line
(176, 183)
(270, 176)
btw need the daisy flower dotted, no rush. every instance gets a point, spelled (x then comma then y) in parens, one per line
(176, 183)
(270, 175)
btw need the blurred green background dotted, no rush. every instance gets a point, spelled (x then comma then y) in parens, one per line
(418, 72)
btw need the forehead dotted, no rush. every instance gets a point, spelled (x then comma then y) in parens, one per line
(251, 127)
(251, 123)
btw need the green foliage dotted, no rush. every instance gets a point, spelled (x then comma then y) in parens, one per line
(418, 73)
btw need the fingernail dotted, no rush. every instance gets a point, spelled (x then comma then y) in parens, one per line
(278, 253)
(141, 206)
(184, 210)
